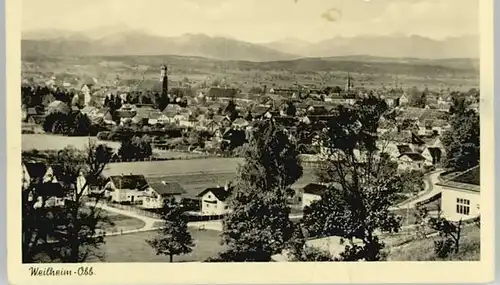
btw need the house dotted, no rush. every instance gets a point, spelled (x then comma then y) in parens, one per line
(142, 115)
(240, 123)
(157, 117)
(461, 195)
(403, 100)
(412, 161)
(89, 111)
(312, 192)
(126, 188)
(105, 114)
(213, 200)
(160, 192)
(49, 190)
(58, 107)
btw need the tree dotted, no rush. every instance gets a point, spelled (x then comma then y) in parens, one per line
(362, 184)
(417, 98)
(73, 228)
(258, 225)
(230, 110)
(462, 142)
(175, 238)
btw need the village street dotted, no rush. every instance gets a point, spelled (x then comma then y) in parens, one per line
(430, 190)
(151, 224)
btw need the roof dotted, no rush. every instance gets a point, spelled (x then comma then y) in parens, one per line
(315, 189)
(88, 109)
(36, 169)
(240, 121)
(103, 111)
(467, 180)
(155, 114)
(58, 107)
(413, 156)
(167, 188)
(403, 148)
(220, 193)
(129, 181)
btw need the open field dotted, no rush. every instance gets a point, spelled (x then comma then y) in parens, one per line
(371, 72)
(56, 142)
(193, 175)
(122, 223)
(133, 247)
(423, 250)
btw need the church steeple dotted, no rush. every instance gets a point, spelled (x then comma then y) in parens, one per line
(164, 78)
(349, 84)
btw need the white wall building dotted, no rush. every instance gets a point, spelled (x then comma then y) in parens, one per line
(461, 195)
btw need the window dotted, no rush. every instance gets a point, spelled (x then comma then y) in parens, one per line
(207, 205)
(463, 206)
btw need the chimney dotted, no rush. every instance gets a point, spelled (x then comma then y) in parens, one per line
(226, 186)
(164, 182)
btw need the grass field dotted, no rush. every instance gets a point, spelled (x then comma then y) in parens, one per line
(423, 250)
(56, 142)
(122, 223)
(133, 248)
(193, 175)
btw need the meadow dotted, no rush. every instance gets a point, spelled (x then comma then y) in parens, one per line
(57, 142)
(133, 247)
(371, 72)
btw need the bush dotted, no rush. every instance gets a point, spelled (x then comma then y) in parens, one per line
(443, 248)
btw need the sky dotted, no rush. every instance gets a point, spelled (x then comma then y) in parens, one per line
(259, 20)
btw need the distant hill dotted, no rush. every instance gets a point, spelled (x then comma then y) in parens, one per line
(122, 40)
(384, 46)
(130, 42)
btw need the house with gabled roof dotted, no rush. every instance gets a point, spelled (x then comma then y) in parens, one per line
(126, 188)
(214, 200)
(461, 195)
(412, 161)
(160, 192)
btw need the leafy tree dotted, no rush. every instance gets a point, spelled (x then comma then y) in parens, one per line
(290, 109)
(462, 142)
(362, 183)
(72, 228)
(258, 225)
(175, 238)
(230, 110)
(417, 98)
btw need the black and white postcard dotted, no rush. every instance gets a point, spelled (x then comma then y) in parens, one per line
(249, 141)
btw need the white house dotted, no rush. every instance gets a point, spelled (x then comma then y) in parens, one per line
(403, 100)
(412, 161)
(312, 192)
(126, 188)
(213, 200)
(159, 192)
(47, 185)
(461, 195)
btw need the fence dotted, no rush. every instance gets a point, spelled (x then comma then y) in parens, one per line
(135, 209)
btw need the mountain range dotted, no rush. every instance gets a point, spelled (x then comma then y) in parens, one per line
(121, 40)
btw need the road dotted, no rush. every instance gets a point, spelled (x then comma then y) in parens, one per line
(430, 190)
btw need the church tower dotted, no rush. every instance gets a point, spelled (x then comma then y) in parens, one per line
(164, 78)
(349, 84)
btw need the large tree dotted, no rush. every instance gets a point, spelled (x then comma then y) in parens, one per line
(174, 238)
(462, 142)
(68, 233)
(362, 183)
(258, 224)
